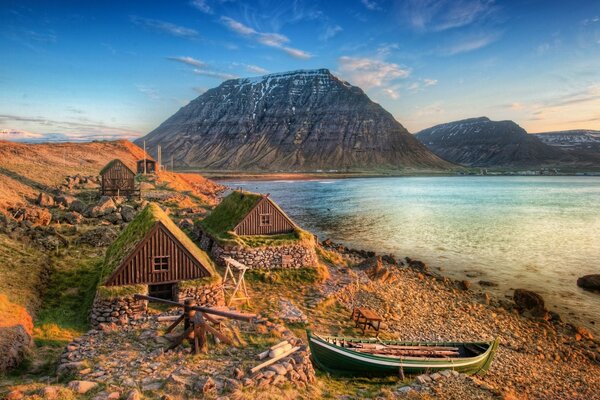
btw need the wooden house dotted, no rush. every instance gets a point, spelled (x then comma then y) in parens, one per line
(154, 253)
(248, 214)
(150, 166)
(117, 179)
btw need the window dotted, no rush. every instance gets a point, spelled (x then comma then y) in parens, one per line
(265, 219)
(161, 263)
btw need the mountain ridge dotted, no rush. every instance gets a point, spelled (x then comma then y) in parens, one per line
(295, 121)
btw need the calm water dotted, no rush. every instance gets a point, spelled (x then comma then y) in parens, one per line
(539, 233)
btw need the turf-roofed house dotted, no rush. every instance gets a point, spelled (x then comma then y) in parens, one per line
(252, 229)
(153, 256)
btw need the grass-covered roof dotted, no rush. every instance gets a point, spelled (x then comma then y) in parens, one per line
(229, 213)
(111, 163)
(137, 230)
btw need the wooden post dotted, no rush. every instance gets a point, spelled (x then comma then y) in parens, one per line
(145, 157)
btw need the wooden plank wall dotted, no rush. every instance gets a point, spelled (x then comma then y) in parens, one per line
(251, 224)
(138, 267)
(118, 177)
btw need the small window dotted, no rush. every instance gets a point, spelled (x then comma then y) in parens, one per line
(161, 263)
(265, 219)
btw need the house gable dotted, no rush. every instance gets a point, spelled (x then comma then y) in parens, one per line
(266, 218)
(160, 257)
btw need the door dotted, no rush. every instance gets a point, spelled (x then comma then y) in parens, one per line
(162, 291)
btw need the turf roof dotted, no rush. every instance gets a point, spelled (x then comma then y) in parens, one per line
(135, 232)
(110, 164)
(230, 212)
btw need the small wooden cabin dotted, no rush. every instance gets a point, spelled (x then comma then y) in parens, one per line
(248, 214)
(150, 166)
(153, 251)
(117, 179)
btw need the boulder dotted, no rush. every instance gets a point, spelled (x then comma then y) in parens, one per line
(50, 392)
(78, 206)
(127, 213)
(376, 271)
(81, 387)
(530, 301)
(35, 215)
(45, 200)
(105, 206)
(73, 217)
(589, 282)
(65, 200)
(146, 186)
(99, 237)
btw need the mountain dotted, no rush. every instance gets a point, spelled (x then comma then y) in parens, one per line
(480, 142)
(293, 121)
(584, 140)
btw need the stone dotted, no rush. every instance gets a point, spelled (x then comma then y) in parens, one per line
(584, 333)
(488, 283)
(73, 217)
(436, 376)
(589, 282)
(422, 379)
(529, 301)
(15, 395)
(105, 206)
(134, 395)
(127, 213)
(45, 200)
(99, 237)
(81, 387)
(78, 206)
(50, 393)
(464, 285)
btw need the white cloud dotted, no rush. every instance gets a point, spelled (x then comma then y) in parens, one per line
(188, 60)
(371, 4)
(215, 74)
(19, 135)
(202, 5)
(256, 69)
(148, 91)
(369, 73)
(430, 82)
(330, 32)
(471, 43)
(440, 15)
(392, 93)
(274, 40)
(165, 27)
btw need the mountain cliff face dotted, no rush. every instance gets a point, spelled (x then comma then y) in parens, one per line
(480, 142)
(579, 139)
(294, 121)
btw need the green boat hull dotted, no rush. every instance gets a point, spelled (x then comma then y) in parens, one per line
(344, 361)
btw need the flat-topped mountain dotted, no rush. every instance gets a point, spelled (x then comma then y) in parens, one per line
(293, 121)
(480, 142)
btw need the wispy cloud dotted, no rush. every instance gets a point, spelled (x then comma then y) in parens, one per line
(202, 5)
(441, 15)
(215, 74)
(73, 130)
(369, 73)
(371, 4)
(188, 60)
(148, 91)
(274, 40)
(330, 32)
(471, 43)
(199, 90)
(165, 27)
(256, 69)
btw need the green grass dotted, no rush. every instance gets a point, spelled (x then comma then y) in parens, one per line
(232, 209)
(285, 276)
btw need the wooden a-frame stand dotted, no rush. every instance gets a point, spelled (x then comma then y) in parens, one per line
(233, 284)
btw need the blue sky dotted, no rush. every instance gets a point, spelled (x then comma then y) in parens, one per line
(87, 70)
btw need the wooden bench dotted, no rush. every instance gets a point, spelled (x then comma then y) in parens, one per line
(365, 318)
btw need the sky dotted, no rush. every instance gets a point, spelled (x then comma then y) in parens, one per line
(82, 70)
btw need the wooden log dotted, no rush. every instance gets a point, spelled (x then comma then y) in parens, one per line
(279, 345)
(219, 335)
(174, 324)
(274, 360)
(263, 355)
(167, 318)
(280, 350)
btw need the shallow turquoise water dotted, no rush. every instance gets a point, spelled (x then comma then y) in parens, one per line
(539, 233)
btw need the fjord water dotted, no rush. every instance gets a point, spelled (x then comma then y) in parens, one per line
(537, 233)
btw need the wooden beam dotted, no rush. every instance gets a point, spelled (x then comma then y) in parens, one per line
(274, 360)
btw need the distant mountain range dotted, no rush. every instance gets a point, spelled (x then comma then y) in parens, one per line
(293, 121)
(480, 142)
(579, 139)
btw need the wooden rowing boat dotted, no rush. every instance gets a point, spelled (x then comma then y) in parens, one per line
(369, 357)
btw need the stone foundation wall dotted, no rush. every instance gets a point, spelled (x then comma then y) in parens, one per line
(212, 295)
(291, 256)
(120, 311)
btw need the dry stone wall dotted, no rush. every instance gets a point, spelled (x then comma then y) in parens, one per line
(210, 295)
(119, 311)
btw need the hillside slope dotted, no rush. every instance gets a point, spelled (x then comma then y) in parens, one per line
(583, 140)
(293, 121)
(480, 142)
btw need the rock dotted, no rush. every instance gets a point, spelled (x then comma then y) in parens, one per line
(134, 395)
(15, 395)
(35, 215)
(105, 206)
(278, 369)
(186, 224)
(127, 213)
(436, 376)
(208, 385)
(464, 285)
(488, 283)
(376, 271)
(589, 282)
(99, 237)
(45, 200)
(73, 217)
(65, 200)
(81, 387)
(584, 333)
(529, 301)
(50, 393)
(422, 379)
(146, 186)
(78, 206)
